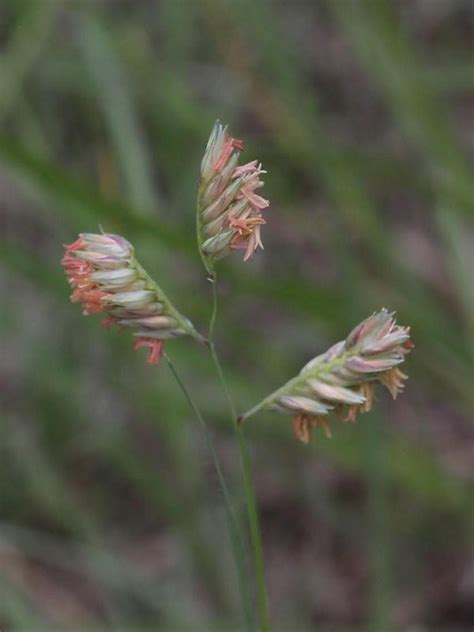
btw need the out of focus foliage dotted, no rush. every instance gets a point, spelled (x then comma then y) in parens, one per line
(360, 110)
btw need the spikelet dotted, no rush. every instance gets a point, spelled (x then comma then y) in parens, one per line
(106, 277)
(229, 211)
(342, 379)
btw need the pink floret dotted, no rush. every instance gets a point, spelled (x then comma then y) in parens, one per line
(155, 346)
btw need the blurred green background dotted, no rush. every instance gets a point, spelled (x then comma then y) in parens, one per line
(361, 111)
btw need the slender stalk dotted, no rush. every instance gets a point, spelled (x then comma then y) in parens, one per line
(321, 369)
(170, 308)
(233, 526)
(251, 503)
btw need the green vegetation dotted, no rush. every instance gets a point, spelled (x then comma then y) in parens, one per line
(111, 516)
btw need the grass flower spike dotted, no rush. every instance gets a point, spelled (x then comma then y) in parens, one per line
(229, 211)
(106, 277)
(342, 379)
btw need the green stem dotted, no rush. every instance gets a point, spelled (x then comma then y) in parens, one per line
(184, 323)
(233, 526)
(251, 503)
(300, 379)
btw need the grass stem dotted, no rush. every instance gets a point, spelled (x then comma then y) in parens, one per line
(249, 490)
(232, 522)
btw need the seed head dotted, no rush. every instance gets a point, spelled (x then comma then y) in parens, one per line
(229, 211)
(342, 380)
(106, 277)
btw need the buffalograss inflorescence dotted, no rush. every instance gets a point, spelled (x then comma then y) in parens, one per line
(229, 211)
(342, 379)
(106, 277)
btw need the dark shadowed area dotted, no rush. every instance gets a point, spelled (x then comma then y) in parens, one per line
(361, 111)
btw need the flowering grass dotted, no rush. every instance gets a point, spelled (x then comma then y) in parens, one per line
(105, 277)
(367, 176)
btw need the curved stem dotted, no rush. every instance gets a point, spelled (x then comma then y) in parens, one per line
(252, 512)
(234, 530)
(212, 347)
(269, 399)
(320, 370)
(184, 323)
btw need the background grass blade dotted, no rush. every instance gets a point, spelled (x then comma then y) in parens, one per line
(121, 118)
(360, 113)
